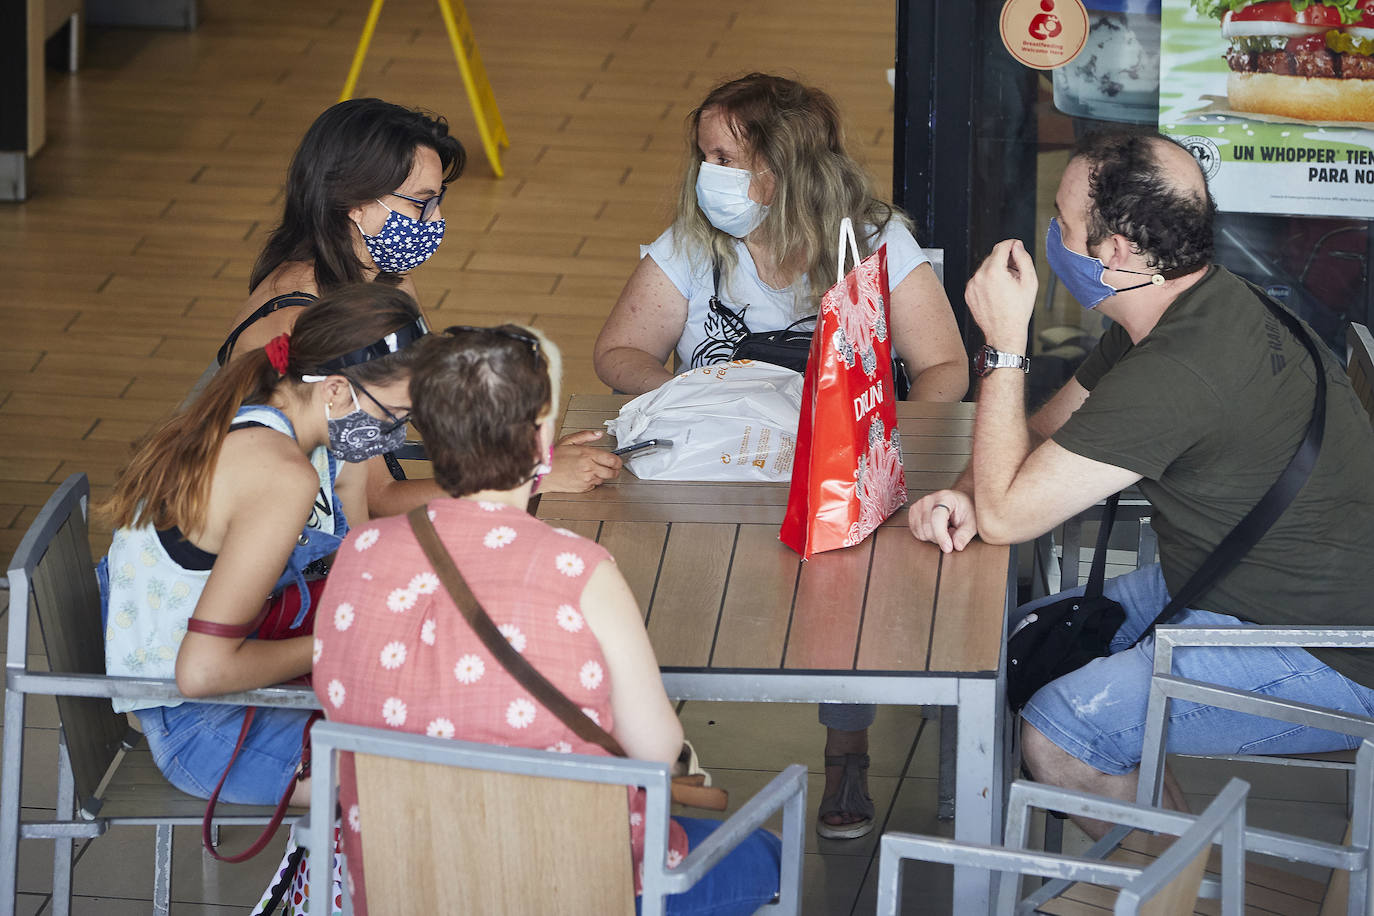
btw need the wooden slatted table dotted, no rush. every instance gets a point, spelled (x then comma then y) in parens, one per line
(735, 615)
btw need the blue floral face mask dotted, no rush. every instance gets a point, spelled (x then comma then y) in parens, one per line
(403, 242)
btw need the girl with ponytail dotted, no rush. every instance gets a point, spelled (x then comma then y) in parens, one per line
(242, 495)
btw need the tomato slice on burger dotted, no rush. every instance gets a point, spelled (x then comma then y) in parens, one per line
(1268, 11)
(1366, 15)
(1316, 14)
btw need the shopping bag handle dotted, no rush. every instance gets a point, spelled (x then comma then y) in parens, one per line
(846, 235)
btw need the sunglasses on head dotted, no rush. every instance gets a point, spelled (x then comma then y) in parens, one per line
(528, 339)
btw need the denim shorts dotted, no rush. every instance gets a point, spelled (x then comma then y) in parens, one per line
(191, 745)
(1097, 713)
(737, 885)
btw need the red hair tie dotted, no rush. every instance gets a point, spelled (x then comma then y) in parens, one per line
(278, 349)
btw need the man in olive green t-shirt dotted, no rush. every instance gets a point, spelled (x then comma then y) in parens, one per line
(1199, 395)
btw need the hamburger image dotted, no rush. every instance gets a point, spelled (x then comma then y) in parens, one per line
(1307, 59)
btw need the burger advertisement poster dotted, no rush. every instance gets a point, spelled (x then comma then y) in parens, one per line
(1276, 100)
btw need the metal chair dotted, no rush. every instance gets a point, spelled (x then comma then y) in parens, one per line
(1166, 687)
(1168, 885)
(104, 777)
(521, 831)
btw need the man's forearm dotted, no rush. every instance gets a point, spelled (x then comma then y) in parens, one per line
(1001, 442)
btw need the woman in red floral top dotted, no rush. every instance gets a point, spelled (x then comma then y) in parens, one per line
(392, 651)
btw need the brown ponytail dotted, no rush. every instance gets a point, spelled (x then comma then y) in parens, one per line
(167, 482)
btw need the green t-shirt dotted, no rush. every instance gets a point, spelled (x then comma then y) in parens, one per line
(1209, 408)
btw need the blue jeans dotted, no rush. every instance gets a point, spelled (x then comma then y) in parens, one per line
(743, 881)
(191, 745)
(1097, 713)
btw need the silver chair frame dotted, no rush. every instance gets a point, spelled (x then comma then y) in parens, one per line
(1223, 821)
(786, 791)
(82, 818)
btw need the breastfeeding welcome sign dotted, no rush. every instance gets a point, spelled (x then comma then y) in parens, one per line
(1235, 89)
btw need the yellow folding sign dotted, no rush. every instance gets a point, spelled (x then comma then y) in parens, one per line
(464, 43)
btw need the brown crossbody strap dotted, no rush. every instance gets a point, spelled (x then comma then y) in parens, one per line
(519, 668)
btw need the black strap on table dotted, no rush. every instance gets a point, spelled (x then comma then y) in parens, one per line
(1271, 505)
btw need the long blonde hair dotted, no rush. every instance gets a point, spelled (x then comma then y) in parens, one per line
(795, 132)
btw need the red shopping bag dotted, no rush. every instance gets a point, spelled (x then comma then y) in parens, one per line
(847, 477)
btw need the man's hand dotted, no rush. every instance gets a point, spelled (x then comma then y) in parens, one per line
(1001, 296)
(945, 518)
(577, 467)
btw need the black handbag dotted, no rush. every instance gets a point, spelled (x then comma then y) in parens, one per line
(788, 347)
(1066, 635)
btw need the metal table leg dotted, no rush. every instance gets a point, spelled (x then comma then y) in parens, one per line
(979, 784)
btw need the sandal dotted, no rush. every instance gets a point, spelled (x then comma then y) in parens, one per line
(850, 798)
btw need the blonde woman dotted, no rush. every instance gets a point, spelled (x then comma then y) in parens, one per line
(767, 183)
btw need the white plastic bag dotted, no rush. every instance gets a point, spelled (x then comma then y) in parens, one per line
(730, 421)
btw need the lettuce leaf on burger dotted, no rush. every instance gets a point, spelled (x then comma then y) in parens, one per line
(1306, 59)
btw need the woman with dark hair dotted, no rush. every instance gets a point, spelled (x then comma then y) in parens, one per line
(766, 183)
(402, 656)
(236, 499)
(362, 202)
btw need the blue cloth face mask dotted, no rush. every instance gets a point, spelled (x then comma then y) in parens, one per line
(723, 195)
(1082, 274)
(358, 436)
(403, 242)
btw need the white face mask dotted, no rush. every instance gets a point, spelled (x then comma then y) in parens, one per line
(723, 195)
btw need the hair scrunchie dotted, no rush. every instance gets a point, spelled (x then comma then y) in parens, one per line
(278, 350)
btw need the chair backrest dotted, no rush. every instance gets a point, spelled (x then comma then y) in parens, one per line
(1169, 886)
(1360, 364)
(483, 829)
(52, 577)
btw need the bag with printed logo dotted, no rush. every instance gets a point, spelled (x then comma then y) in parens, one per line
(847, 476)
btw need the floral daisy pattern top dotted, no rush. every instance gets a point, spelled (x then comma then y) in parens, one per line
(392, 650)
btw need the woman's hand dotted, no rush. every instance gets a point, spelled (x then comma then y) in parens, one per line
(577, 467)
(945, 518)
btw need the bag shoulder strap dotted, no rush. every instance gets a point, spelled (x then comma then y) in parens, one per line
(553, 699)
(1097, 576)
(1279, 496)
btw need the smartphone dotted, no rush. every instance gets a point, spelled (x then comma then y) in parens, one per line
(640, 446)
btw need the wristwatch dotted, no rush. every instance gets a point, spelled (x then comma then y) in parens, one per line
(988, 358)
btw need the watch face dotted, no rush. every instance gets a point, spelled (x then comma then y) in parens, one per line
(983, 361)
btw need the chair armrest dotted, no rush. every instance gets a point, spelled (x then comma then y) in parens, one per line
(788, 784)
(1258, 704)
(1270, 636)
(149, 688)
(996, 858)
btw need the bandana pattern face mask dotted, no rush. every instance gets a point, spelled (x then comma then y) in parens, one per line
(403, 243)
(357, 435)
(723, 195)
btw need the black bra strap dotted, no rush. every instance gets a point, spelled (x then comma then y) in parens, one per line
(289, 300)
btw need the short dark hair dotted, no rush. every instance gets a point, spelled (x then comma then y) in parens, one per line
(1131, 195)
(477, 396)
(355, 151)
